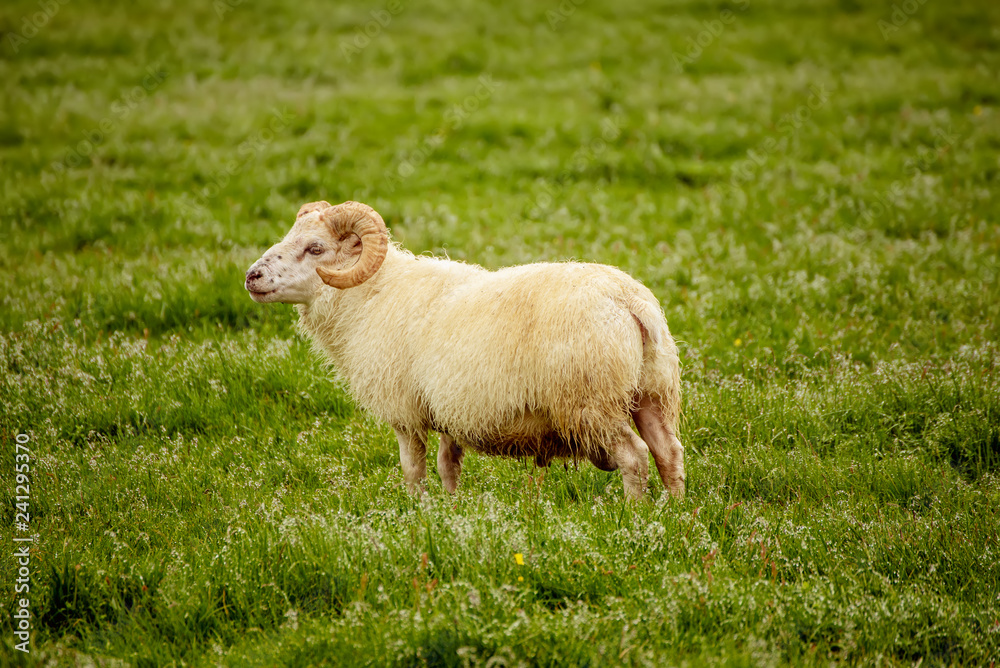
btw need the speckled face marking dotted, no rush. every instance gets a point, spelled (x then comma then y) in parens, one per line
(287, 272)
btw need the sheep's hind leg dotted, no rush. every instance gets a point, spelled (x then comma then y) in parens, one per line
(449, 462)
(632, 457)
(668, 453)
(412, 455)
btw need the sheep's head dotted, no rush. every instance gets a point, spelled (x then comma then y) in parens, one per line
(338, 246)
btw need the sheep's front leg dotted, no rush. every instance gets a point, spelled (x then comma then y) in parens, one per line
(412, 455)
(449, 462)
(632, 456)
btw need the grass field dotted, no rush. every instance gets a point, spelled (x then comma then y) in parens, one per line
(810, 188)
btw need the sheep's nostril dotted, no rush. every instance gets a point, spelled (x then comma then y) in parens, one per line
(253, 274)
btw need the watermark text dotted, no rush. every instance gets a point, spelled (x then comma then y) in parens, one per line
(22, 536)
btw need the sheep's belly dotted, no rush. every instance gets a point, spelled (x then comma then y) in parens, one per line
(530, 433)
(549, 446)
(526, 434)
(543, 449)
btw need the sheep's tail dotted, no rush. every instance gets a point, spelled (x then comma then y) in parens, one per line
(660, 377)
(650, 319)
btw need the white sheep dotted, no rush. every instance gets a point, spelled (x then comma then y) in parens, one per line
(544, 360)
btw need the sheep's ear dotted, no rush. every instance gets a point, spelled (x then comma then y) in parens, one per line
(313, 206)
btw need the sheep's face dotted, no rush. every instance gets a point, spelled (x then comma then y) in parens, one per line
(286, 273)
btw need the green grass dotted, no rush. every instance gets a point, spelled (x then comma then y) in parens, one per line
(812, 198)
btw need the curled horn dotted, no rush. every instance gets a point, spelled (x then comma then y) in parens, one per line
(313, 206)
(362, 220)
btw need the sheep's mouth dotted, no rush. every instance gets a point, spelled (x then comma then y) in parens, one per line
(258, 296)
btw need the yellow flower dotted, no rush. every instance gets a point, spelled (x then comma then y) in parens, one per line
(519, 558)
(977, 110)
(738, 342)
(520, 579)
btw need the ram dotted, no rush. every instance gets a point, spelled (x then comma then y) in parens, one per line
(546, 360)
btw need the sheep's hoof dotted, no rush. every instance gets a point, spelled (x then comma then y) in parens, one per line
(416, 490)
(635, 494)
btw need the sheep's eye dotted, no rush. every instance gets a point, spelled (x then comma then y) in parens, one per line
(315, 250)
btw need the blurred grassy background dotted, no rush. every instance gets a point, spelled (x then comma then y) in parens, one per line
(809, 187)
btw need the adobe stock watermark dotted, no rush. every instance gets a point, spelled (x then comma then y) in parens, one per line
(123, 107)
(365, 33)
(711, 31)
(454, 118)
(745, 170)
(558, 16)
(913, 166)
(548, 193)
(245, 153)
(22, 539)
(901, 13)
(223, 7)
(33, 23)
